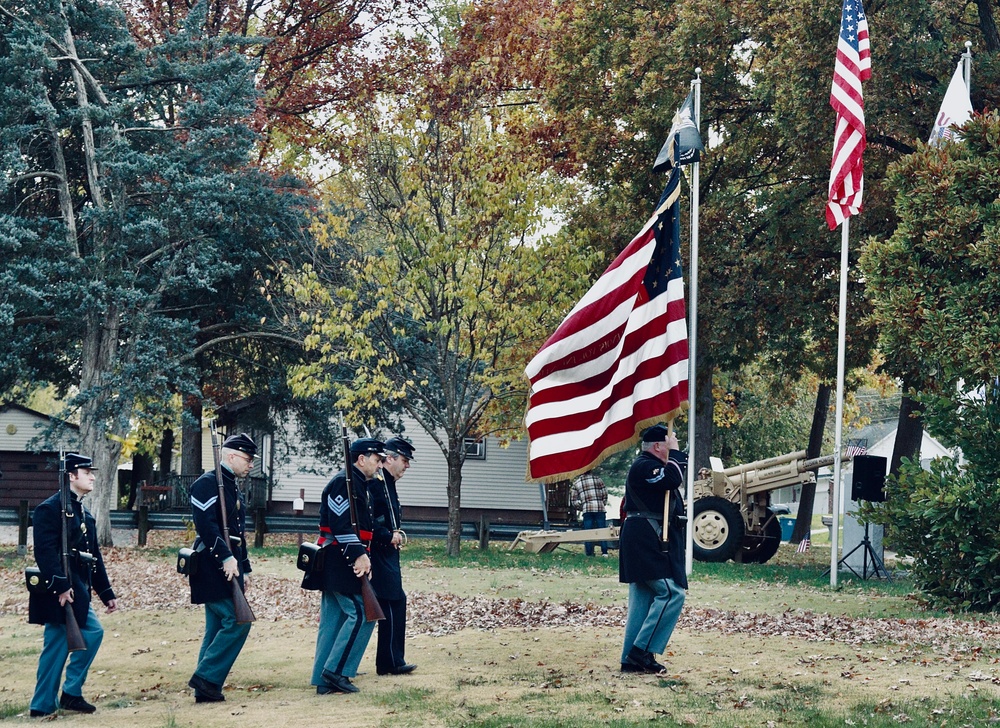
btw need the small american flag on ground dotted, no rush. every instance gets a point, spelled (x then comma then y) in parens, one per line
(803, 546)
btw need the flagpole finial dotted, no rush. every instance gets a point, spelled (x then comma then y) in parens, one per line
(697, 71)
(968, 45)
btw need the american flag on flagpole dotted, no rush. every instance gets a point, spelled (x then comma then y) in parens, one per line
(619, 360)
(853, 66)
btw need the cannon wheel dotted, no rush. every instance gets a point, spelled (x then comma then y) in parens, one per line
(718, 529)
(759, 546)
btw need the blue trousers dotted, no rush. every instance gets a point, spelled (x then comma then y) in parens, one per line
(53, 659)
(653, 610)
(224, 638)
(595, 519)
(343, 635)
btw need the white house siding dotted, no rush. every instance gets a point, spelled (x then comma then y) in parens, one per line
(18, 427)
(294, 473)
(930, 449)
(498, 482)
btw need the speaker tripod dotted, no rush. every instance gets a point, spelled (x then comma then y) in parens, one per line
(878, 566)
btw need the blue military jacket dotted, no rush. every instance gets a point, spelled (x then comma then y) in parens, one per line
(82, 537)
(208, 582)
(387, 579)
(642, 554)
(341, 544)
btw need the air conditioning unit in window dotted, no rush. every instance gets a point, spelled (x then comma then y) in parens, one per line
(475, 449)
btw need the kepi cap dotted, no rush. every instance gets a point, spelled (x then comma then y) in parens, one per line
(399, 446)
(367, 446)
(242, 442)
(75, 460)
(656, 433)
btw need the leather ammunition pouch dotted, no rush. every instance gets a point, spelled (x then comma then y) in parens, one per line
(311, 558)
(187, 561)
(34, 581)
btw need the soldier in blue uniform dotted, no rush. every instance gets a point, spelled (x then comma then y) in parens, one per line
(87, 572)
(387, 578)
(216, 563)
(343, 632)
(655, 574)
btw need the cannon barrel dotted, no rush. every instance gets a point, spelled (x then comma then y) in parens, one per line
(762, 464)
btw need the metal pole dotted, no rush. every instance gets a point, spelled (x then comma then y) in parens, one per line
(839, 426)
(967, 65)
(693, 335)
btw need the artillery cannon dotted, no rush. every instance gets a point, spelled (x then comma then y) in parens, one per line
(733, 518)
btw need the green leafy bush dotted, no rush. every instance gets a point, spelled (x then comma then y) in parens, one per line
(945, 520)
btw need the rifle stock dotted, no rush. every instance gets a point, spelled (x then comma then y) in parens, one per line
(74, 637)
(373, 610)
(244, 614)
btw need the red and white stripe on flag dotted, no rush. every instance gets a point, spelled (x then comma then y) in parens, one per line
(803, 546)
(619, 360)
(853, 66)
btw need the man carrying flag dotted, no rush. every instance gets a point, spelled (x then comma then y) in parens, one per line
(617, 364)
(655, 576)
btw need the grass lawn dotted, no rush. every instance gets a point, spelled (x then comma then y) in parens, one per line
(507, 638)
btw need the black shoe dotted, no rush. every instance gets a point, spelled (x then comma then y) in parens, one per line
(644, 660)
(339, 683)
(38, 713)
(199, 698)
(405, 669)
(628, 667)
(205, 691)
(75, 702)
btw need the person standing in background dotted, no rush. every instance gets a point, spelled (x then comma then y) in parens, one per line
(590, 496)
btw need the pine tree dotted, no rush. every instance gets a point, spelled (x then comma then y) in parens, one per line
(136, 232)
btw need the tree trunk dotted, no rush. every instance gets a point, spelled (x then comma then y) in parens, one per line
(803, 521)
(704, 425)
(99, 352)
(988, 25)
(191, 436)
(142, 471)
(909, 433)
(454, 458)
(166, 453)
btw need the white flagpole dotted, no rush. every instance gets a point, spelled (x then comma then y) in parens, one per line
(967, 65)
(839, 427)
(693, 335)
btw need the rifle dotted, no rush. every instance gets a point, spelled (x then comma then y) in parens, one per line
(241, 606)
(373, 611)
(74, 637)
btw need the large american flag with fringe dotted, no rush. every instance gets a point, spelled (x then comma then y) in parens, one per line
(853, 66)
(619, 360)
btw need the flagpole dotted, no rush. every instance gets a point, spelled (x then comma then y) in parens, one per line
(967, 65)
(693, 335)
(839, 426)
